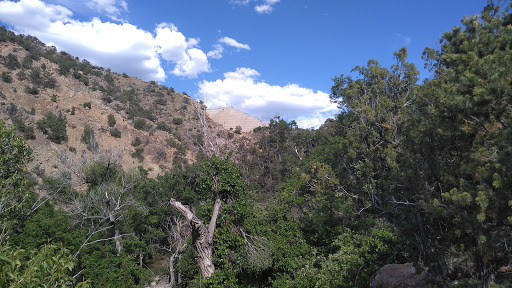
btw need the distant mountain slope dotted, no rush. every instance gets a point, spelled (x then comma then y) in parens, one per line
(230, 118)
(155, 127)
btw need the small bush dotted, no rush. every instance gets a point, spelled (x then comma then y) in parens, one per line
(27, 62)
(53, 98)
(111, 120)
(89, 139)
(138, 154)
(124, 75)
(31, 90)
(114, 132)
(11, 61)
(177, 121)
(161, 102)
(28, 131)
(72, 149)
(139, 123)
(136, 142)
(21, 75)
(54, 127)
(163, 126)
(87, 105)
(6, 77)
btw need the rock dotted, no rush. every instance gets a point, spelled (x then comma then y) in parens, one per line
(400, 275)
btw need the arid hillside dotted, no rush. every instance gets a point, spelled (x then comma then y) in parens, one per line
(140, 123)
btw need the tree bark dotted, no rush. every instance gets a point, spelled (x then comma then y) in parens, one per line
(172, 280)
(202, 237)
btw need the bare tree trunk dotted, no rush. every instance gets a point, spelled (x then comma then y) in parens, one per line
(172, 277)
(117, 238)
(202, 237)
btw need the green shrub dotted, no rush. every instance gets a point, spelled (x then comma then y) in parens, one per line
(54, 127)
(28, 131)
(163, 126)
(114, 132)
(177, 121)
(139, 123)
(138, 154)
(111, 120)
(6, 77)
(87, 105)
(136, 142)
(27, 62)
(31, 90)
(53, 98)
(72, 149)
(89, 139)
(11, 62)
(21, 75)
(160, 101)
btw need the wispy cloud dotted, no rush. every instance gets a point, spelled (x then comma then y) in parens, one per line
(241, 90)
(267, 6)
(239, 2)
(112, 8)
(216, 53)
(264, 6)
(122, 47)
(233, 43)
(402, 40)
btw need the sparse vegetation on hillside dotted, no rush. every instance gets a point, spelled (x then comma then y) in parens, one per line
(54, 126)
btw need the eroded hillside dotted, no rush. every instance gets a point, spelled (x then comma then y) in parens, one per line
(143, 123)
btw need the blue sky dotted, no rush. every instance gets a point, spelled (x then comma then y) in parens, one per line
(263, 57)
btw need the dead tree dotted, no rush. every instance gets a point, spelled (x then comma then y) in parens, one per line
(178, 232)
(201, 236)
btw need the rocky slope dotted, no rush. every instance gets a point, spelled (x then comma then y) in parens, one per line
(37, 80)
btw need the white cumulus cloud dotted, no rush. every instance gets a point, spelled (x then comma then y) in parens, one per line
(121, 47)
(241, 90)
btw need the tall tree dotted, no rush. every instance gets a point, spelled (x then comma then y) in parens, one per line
(220, 181)
(472, 92)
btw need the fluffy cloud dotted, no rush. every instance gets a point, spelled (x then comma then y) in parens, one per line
(173, 46)
(121, 47)
(240, 90)
(266, 7)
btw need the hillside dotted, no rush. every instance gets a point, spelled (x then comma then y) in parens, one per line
(230, 118)
(37, 80)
